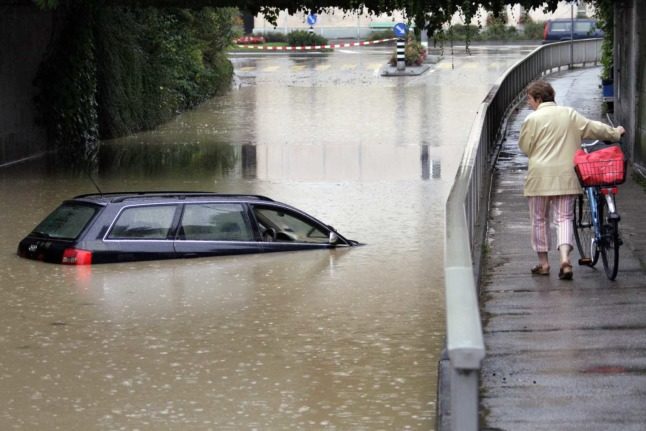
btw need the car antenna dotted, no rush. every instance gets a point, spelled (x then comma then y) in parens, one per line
(95, 184)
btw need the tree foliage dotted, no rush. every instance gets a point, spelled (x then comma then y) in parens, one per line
(117, 70)
(430, 15)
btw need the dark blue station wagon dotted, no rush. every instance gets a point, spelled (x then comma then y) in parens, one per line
(118, 227)
(556, 30)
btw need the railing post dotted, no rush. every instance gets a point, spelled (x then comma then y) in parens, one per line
(464, 399)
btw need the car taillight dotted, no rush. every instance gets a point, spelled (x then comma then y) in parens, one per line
(75, 256)
(545, 32)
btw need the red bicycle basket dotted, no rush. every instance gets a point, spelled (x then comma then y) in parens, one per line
(605, 167)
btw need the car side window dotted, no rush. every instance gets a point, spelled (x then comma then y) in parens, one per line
(215, 222)
(560, 26)
(583, 27)
(280, 225)
(143, 222)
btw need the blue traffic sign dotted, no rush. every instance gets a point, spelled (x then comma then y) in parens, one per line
(311, 19)
(400, 29)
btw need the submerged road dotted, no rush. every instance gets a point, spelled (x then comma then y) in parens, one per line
(340, 340)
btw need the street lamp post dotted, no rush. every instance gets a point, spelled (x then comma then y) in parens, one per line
(572, 34)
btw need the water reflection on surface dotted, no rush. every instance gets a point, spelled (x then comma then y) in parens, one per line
(344, 339)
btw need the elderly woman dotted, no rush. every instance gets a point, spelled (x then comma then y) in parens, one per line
(549, 137)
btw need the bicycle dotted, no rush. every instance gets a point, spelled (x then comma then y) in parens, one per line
(596, 220)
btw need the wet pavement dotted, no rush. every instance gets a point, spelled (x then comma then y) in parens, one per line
(561, 355)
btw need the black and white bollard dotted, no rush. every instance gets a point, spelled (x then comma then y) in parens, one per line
(401, 54)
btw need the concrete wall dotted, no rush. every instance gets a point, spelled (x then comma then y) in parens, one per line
(630, 77)
(640, 74)
(24, 35)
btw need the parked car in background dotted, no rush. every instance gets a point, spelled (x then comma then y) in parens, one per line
(246, 40)
(117, 227)
(556, 30)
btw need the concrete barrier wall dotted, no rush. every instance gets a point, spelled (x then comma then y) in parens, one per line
(25, 32)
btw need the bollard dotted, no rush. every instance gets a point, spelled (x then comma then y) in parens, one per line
(436, 169)
(401, 54)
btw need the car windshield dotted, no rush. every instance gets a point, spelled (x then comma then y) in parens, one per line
(66, 222)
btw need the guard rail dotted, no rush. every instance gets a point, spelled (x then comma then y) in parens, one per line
(466, 213)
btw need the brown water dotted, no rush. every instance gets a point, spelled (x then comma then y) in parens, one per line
(322, 340)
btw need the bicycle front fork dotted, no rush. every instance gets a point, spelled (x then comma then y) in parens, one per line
(594, 199)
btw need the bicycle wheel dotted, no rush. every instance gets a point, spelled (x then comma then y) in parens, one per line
(609, 243)
(584, 232)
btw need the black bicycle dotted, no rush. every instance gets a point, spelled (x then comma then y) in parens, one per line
(596, 220)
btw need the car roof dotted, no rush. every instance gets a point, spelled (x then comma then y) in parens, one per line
(165, 196)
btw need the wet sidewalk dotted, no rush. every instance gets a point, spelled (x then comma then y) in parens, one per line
(561, 355)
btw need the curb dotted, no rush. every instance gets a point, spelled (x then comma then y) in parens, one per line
(389, 70)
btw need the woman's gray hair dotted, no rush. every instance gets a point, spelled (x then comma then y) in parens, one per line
(541, 91)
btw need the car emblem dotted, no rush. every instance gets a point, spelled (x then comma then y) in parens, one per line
(33, 248)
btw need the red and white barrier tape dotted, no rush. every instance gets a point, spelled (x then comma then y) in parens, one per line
(315, 47)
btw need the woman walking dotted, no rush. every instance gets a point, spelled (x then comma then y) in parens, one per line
(549, 137)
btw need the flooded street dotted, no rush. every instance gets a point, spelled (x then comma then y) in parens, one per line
(323, 340)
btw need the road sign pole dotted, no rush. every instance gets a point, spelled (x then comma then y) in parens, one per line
(401, 54)
(311, 20)
(400, 31)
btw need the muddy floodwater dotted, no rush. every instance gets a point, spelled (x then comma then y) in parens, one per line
(313, 340)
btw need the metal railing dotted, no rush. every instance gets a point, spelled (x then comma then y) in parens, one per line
(466, 212)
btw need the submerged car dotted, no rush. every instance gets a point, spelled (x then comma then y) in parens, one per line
(118, 227)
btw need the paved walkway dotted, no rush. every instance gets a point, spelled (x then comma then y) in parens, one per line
(561, 355)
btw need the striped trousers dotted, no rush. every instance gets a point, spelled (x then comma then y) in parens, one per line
(562, 214)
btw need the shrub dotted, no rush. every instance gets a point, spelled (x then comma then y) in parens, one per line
(272, 36)
(499, 31)
(154, 63)
(415, 53)
(381, 34)
(305, 38)
(534, 30)
(461, 31)
(118, 70)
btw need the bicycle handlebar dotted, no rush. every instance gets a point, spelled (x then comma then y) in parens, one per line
(592, 144)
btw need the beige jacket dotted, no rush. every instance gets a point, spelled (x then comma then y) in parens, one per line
(549, 137)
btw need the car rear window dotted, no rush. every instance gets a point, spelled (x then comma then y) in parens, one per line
(66, 222)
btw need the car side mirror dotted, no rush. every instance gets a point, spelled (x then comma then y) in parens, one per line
(334, 238)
